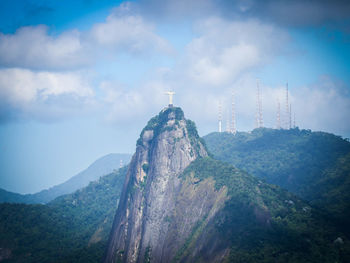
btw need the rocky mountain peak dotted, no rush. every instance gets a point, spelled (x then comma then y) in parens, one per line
(167, 145)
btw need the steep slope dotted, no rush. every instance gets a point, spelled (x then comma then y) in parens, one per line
(179, 205)
(293, 159)
(167, 145)
(100, 167)
(71, 228)
(259, 223)
(313, 165)
(333, 193)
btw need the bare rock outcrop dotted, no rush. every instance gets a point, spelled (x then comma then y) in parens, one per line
(159, 210)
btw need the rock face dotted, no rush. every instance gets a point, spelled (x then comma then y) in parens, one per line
(158, 209)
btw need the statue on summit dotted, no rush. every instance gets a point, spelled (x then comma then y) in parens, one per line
(170, 93)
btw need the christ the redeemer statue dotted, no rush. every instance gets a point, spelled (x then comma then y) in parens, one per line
(170, 93)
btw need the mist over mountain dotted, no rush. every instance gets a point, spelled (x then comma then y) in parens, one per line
(100, 167)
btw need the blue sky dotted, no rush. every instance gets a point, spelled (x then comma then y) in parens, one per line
(80, 79)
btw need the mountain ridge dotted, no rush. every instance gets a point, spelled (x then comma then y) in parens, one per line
(102, 166)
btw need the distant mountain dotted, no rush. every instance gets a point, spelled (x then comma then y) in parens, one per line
(100, 167)
(10, 197)
(71, 228)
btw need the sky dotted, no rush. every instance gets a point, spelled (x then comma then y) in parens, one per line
(80, 79)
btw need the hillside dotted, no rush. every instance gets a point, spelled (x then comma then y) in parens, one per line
(179, 205)
(261, 222)
(313, 165)
(100, 167)
(293, 159)
(72, 228)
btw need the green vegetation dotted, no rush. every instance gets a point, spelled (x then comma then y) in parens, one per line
(194, 137)
(157, 123)
(293, 159)
(264, 223)
(313, 165)
(148, 254)
(145, 167)
(72, 228)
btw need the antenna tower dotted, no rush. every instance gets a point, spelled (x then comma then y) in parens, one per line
(294, 126)
(233, 117)
(228, 121)
(278, 123)
(121, 163)
(259, 114)
(290, 116)
(220, 117)
(287, 122)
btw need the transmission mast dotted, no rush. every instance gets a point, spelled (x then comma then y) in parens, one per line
(290, 116)
(220, 117)
(259, 114)
(233, 117)
(294, 126)
(287, 117)
(278, 121)
(227, 121)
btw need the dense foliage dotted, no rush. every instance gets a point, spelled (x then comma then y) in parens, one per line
(157, 123)
(264, 223)
(72, 228)
(293, 159)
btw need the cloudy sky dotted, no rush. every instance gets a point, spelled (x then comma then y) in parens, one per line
(79, 79)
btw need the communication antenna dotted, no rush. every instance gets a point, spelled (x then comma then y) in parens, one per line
(220, 117)
(228, 121)
(259, 113)
(287, 117)
(278, 121)
(233, 117)
(290, 116)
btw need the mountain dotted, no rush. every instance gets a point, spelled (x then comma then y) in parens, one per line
(100, 167)
(10, 197)
(167, 145)
(180, 205)
(175, 203)
(293, 159)
(71, 228)
(313, 165)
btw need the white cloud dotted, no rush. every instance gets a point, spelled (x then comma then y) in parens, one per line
(26, 92)
(324, 105)
(125, 31)
(33, 47)
(124, 104)
(225, 49)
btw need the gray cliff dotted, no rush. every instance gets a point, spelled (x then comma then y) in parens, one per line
(159, 210)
